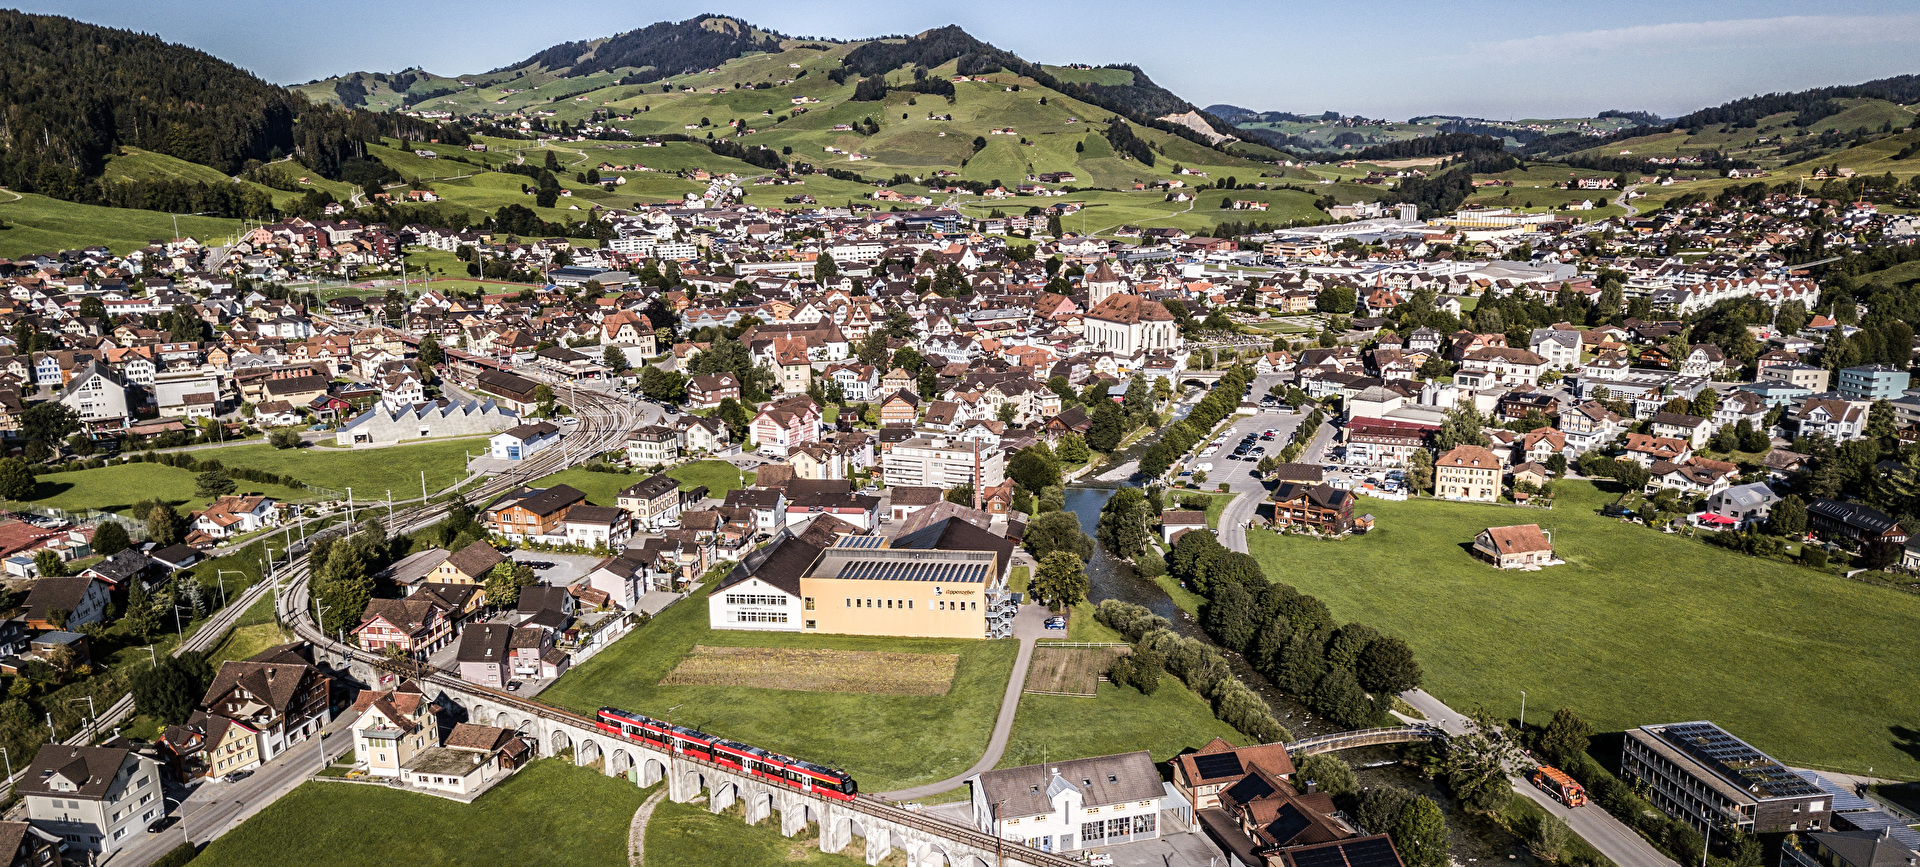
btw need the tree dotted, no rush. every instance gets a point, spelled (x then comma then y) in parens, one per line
(1339, 698)
(213, 483)
(1387, 667)
(110, 538)
(47, 563)
(171, 690)
(1420, 833)
(735, 417)
(1232, 568)
(1229, 617)
(431, 354)
(1420, 476)
(502, 585)
(1335, 298)
(1380, 807)
(1034, 467)
(1547, 839)
(1475, 767)
(142, 619)
(1788, 517)
(1564, 741)
(1104, 434)
(1193, 554)
(663, 386)
(1057, 531)
(16, 480)
(1329, 773)
(163, 525)
(1060, 581)
(1461, 427)
(825, 269)
(614, 359)
(284, 438)
(1072, 449)
(543, 400)
(1124, 526)
(48, 422)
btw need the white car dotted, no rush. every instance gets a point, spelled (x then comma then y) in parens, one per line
(569, 421)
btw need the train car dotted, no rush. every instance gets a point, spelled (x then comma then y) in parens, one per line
(1562, 787)
(761, 763)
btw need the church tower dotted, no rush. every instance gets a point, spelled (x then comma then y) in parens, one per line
(1102, 283)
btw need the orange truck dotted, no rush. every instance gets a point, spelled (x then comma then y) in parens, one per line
(1562, 787)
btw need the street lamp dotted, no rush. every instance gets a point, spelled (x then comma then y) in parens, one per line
(1523, 710)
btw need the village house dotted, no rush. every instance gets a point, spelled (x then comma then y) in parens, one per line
(1516, 547)
(1467, 473)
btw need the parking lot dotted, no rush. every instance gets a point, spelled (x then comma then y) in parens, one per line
(557, 570)
(1270, 430)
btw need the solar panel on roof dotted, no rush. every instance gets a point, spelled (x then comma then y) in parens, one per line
(1251, 788)
(1288, 824)
(1326, 857)
(1370, 853)
(1213, 766)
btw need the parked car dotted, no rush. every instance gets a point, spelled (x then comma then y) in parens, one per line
(1056, 622)
(162, 824)
(513, 686)
(236, 776)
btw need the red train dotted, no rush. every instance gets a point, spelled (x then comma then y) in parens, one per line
(765, 764)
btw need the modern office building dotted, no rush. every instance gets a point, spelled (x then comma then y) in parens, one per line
(1701, 775)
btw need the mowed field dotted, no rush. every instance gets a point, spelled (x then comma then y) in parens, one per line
(37, 224)
(885, 741)
(371, 473)
(550, 813)
(872, 672)
(1637, 628)
(117, 488)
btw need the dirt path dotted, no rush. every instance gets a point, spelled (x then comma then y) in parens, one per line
(637, 832)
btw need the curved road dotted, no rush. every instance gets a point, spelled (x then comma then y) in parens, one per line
(1028, 626)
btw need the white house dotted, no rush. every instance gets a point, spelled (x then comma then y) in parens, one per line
(1067, 806)
(523, 441)
(236, 515)
(757, 602)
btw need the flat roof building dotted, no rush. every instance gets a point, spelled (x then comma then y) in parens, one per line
(945, 581)
(1701, 775)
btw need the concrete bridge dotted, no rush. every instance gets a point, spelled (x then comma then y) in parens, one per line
(1364, 738)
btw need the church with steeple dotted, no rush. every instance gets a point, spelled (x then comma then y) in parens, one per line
(1125, 324)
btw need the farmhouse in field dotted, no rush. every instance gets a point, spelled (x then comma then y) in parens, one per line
(1520, 546)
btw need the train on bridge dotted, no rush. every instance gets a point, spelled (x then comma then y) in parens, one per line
(764, 764)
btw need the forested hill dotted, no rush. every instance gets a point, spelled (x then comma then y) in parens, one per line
(659, 50)
(1141, 101)
(71, 93)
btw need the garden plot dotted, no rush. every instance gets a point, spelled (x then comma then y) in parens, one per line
(809, 670)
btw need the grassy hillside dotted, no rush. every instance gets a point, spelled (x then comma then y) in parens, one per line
(37, 224)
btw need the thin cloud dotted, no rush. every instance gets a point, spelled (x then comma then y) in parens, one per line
(1802, 30)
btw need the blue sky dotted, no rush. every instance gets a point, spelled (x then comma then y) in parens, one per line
(1387, 58)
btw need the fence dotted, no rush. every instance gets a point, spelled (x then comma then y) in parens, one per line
(86, 517)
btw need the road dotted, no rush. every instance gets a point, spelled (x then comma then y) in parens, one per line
(213, 808)
(1626, 200)
(1028, 626)
(1596, 826)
